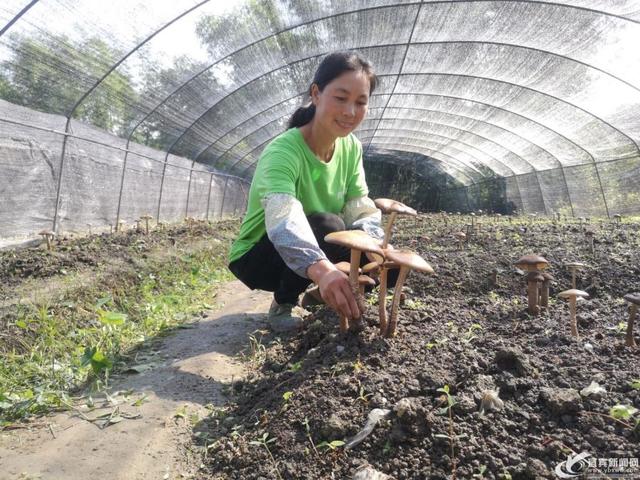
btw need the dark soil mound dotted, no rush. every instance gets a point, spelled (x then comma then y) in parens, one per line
(456, 329)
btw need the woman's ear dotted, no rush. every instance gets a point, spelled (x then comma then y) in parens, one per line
(314, 92)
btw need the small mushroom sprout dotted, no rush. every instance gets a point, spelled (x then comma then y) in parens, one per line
(407, 261)
(48, 236)
(634, 301)
(146, 219)
(572, 295)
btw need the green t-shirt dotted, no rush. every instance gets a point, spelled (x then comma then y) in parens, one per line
(287, 165)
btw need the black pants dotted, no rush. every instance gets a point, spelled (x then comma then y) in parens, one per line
(263, 268)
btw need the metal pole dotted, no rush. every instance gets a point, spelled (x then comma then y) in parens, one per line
(59, 188)
(186, 210)
(224, 195)
(568, 192)
(209, 197)
(124, 169)
(604, 199)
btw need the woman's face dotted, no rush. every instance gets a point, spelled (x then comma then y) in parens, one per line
(343, 103)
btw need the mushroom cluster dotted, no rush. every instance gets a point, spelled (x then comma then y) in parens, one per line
(386, 258)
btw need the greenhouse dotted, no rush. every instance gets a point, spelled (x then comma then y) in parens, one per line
(135, 141)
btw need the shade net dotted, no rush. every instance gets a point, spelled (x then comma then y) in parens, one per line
(526, 105)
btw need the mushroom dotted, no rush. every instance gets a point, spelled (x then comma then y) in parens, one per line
(617, 219)
(392, 207)
(544, 291)
(138, 224)
(590, 234)
(407, 261)
(534, 279)
(532, 263)
(572, 295)
(461, 237)
(358, 241)
(573, 267)
(634, 301)
(382, 294)
(48, 236)
(120, 225)
(146, 219)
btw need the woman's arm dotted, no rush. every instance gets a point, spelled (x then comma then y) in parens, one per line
(361, 213)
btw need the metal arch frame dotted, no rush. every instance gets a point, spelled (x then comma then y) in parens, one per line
(87, 93)
(463, 99)
(601, 12)
(462, 42)
(444, 162)
(451, 139)
(24, 10)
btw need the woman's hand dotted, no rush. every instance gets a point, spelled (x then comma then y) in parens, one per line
(335, 288)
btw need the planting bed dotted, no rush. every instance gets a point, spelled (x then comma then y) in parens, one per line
(456, 329)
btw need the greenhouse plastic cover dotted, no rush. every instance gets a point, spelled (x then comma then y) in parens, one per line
(115, 109)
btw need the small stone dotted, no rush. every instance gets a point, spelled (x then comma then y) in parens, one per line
(561, 401)
(339, 349)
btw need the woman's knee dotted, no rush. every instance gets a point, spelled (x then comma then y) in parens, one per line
(323, 223)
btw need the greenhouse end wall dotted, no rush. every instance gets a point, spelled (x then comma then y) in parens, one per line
(92, 184)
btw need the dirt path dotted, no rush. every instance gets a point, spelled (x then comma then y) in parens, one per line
(149, 440)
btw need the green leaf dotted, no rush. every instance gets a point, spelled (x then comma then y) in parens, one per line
(635, 383)
(287, 396)
(622, 412)
(111, 318)
(21, 324)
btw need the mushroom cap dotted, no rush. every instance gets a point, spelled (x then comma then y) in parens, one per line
(366, 280)
(388, 205)
(617, 215)
(632, 298)
(532, 262)
(146, 217)
(371, 267)
(409, 259)
(46, 232)
(535, 277)
(573, 265)
(573, 293)
(547, 277)
(460, 235)
(344, 267)
(355, 239)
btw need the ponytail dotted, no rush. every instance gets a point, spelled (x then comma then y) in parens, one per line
(302, 116)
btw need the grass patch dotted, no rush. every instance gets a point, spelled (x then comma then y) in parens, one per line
(86, 332)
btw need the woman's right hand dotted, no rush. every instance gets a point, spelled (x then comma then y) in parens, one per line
(335, 288)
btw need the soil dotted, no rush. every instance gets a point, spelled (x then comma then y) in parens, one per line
(460, 330)
(315, 385)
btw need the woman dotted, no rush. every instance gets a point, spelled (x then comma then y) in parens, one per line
(310, 181)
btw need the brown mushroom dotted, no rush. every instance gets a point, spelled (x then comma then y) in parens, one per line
(634, 301)
(48, 236)
(573, 268)
(544, 291)
(382, 294)
(407, 261)
(393, 208)
(146, 219)
(572, 295)
(461, 237)
(357, 241)
(531, 264)
(617, 219)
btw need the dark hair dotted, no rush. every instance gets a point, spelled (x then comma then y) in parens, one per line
(331, 67)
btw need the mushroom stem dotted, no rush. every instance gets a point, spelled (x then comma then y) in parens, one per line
(48, 238)
(387, 229)
(532, 293)
(544, 294)
(354, 273)
(630, 341)
(397, 291)
(573, 278)
(574, 322)
(382, 301)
